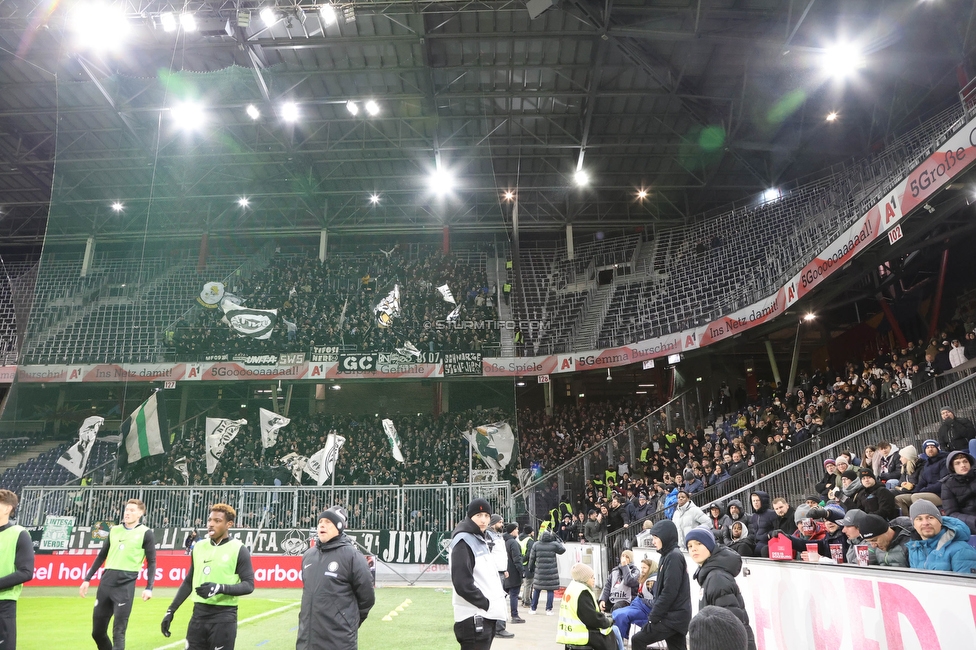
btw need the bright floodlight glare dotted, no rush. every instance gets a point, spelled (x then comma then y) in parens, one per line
(581, 178)
(809, 317)
(841, 60)
(832, 116)
(328, 14)
(441, 181)
(188, 22)
(772, 194)
(352, 107)
(253, 112)
(289, 111)
(641, 194)
(243, 202)
(374, 198)
(100, 27)
(509, 196)
(268, 16)
(372, 107)
(117, 206)
(188, 116)
(168, 21)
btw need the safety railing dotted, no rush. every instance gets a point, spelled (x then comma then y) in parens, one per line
(907, 419)
(379, 507)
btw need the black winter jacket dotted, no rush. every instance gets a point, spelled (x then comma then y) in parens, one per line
(762, 520)
(932, 472)
(955, 434)
(672, 591)
(542, 563)
(336, 597)
(959, 492)
(716, 576)
(877, 500)
(515, 567)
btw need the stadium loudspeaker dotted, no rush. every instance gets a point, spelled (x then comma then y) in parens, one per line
(538, 7)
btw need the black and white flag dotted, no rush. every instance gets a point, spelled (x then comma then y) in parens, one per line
(295, 464)
(391, 433)
(388, 308)
(322, 463)
(455, 313)
(75, 457)
(220, 431)
(255, 323)
(182, 466)
(270, 424)
(493, 443)
(445, 291)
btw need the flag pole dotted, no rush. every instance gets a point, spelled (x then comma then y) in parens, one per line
(470, 473)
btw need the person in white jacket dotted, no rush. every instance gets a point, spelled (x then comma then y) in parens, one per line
(687, 516)
(957, 355)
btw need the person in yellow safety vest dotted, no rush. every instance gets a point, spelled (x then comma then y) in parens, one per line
(526, 541)
(671, 438)
(610, 479)
(16, 568)
(581, 623)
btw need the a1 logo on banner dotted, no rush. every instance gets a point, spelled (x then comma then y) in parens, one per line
(895, 234)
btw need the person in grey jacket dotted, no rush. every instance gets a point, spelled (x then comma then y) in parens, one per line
(543, 564)
(337, 591)
(687, 516)
(622, 584)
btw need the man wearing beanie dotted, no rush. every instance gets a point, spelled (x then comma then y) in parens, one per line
(671, 611)
(931, 469)
(944, 543)
(513, 573)
(715, 628)
(337, 589)
(580, 622)
(717, 568)
(478, 599)
(496, 539)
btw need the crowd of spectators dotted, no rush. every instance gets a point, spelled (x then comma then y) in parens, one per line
(331, 303)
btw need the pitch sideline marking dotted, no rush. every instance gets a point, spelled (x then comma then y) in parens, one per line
(180, 643)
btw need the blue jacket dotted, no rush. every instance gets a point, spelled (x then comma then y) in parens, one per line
(670, 502)
(933, 471)
(947, 551)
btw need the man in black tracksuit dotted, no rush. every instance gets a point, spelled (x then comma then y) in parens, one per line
(337, 591)
(220, 572)
(16, 568)
(129, 545)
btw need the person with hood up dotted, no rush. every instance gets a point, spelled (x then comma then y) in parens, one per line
(337, 588)
(717, 569)
(622, 584)
(889, 464)
(542, 564)
(740, 541)
(959, 489)
(735, 513)
(580, 622)
(718, 522)
(478, 598)
(640, 607)
(687, 516)
(762, 521)
(944, 543)
(933, 470)
(671, 611)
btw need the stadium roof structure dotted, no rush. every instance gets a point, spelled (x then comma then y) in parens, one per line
(699, 103)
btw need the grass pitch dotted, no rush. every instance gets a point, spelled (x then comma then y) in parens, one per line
(57, 618)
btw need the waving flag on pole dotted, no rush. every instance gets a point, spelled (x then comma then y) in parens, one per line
(295, 464)
(388, 308)
(182, 466)
(391, 433)
(75, 457)
(145, 433)
(322, 463)
(445, 291)
(211, 295)
(455, 313)
(270, 424)
(220, 431)
(494, 443)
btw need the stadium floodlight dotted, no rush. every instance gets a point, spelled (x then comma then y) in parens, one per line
(253, 112)
(243, 202)
(772, 194)
(268, 16)
(841, 60)
(641, 194)
(581, 178)
(809, 316)
(328, 15)
(374, 199)
(188, 116)
(509, 196)
(352, 107)
(372, 107)
(117, 206)
(100, 27)
(188, 22)
(832, 116)
(441, 182)
(168, 21)
(289, 111)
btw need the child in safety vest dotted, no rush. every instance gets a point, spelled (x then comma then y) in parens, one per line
(581, 623)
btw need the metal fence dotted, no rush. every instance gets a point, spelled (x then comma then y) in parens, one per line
(568, 480)
(907, 419)
(370, 507)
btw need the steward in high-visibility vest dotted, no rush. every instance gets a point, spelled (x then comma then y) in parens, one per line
(220, 572)
(16, 567)
(580, 622)
(129, 545)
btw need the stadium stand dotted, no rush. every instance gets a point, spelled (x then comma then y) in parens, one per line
(44, 469)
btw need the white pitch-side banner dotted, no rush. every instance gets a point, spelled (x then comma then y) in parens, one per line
(953, 158)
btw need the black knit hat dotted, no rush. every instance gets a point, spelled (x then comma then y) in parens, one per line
(478, 505)
(716, 628)
(337, 516)
(511, 528)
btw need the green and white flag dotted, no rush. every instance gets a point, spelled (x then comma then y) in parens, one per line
(145, 433)
(391, 433)
(493, 443)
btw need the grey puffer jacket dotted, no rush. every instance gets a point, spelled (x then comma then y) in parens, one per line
(336, 597)
(543, 562)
